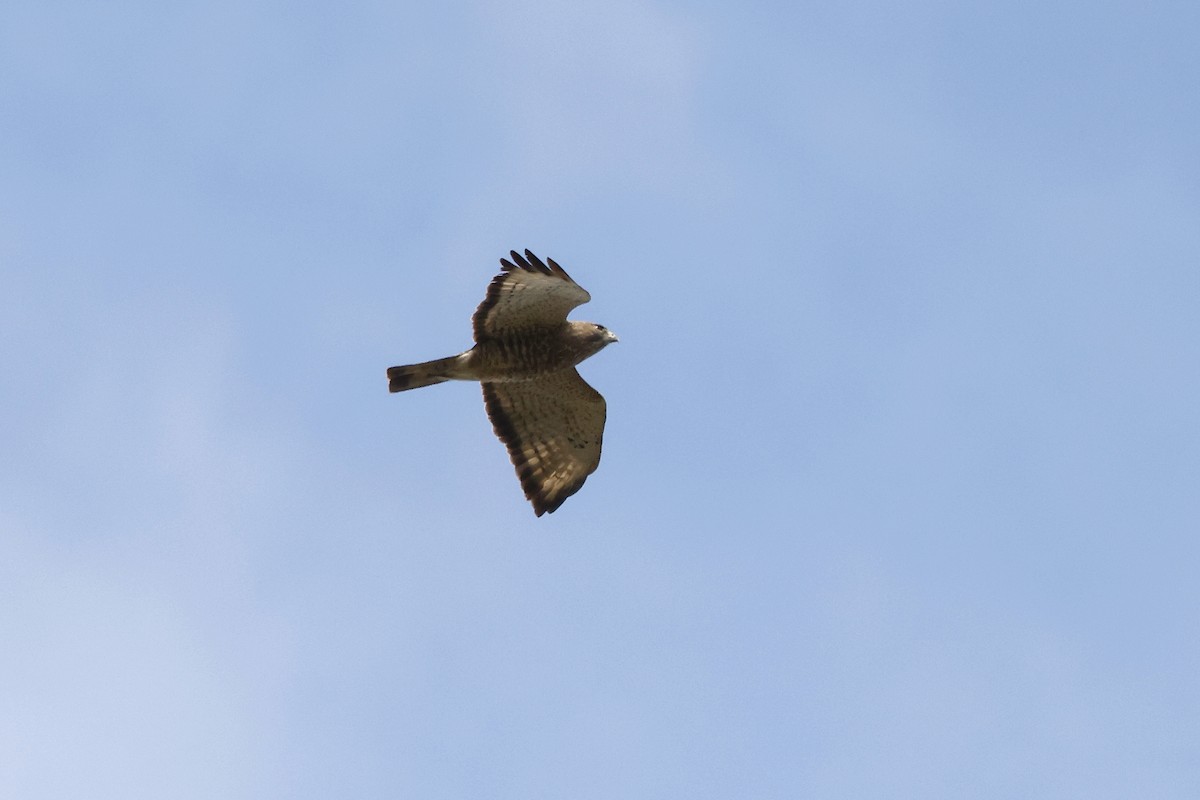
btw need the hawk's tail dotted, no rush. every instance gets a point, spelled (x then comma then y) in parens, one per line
(414, 376)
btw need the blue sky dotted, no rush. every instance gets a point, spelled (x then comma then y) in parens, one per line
(898, 496)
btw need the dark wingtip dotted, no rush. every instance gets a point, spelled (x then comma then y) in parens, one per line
(531, 263)
(537, 262)
(519, 260)
(541, 503)
(556, 269)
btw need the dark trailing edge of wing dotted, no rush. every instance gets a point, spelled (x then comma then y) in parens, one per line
(507, 433)
(527, 263)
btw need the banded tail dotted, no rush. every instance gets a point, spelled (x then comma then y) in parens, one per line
(414, 376)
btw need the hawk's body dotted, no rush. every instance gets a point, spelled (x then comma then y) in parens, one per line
(525, 354)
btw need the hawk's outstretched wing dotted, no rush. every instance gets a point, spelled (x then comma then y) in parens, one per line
(527, 294)
(552, 427)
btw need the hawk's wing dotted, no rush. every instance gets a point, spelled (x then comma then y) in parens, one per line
(552, 427)
(526, 294)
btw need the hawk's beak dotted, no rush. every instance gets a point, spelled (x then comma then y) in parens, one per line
(613, 337)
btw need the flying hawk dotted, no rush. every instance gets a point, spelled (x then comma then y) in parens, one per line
(525, 354)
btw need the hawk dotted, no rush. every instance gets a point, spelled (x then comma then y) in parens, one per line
(525, 352)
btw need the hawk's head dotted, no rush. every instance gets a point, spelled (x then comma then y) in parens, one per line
(587, 338)
(602, 335)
